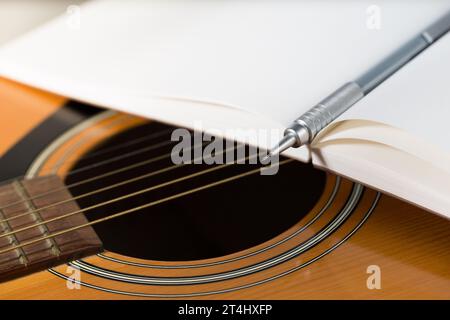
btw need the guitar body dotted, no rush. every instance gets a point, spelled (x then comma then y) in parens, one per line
(346, 241)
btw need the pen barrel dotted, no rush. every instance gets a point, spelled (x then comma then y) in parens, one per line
(321, 115)
(395, 61)
(305, 128)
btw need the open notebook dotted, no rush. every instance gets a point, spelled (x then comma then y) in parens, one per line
(260, 64)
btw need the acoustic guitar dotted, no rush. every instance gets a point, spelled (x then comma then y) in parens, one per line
(92, 207)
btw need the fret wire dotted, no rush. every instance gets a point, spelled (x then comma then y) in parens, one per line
(150, 204)
(147, 175)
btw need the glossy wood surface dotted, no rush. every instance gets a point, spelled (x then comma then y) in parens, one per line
(411, 247)
(16, 114)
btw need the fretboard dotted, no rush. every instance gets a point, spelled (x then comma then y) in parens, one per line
(29, 204)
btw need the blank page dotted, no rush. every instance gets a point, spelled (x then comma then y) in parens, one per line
(415, 99)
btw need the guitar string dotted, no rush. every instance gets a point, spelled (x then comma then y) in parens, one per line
(96, 153)
(120, 157)
(110, 160)
(87, 180)
(125, 155)
(109, 187)
(123, 197)
(138, 208)
(119, 146)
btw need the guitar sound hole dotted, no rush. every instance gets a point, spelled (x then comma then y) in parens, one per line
(214, 222)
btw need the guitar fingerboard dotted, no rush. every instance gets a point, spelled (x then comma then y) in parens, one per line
(28, 204)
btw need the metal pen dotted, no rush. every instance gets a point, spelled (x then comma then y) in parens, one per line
(305, 128)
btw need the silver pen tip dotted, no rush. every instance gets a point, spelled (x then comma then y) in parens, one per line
(285, 143)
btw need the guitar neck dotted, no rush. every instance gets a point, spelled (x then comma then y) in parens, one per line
(29, 218)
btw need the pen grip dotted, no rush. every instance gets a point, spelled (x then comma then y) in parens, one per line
(319, 116)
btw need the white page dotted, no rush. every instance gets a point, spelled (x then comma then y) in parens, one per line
(277, 58)
(404, 137)
(221, 62)
(415, 99)
(18, 17)
(390, 170)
